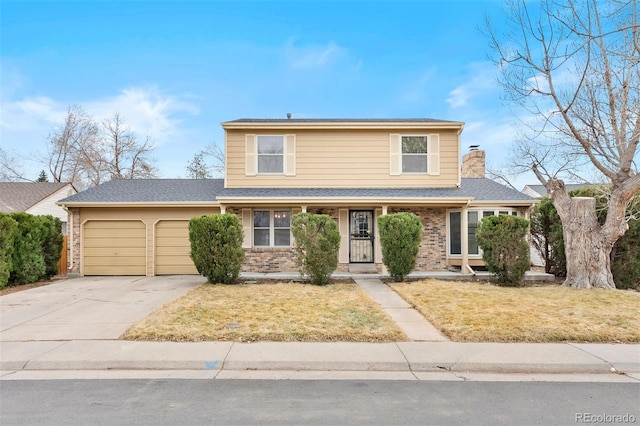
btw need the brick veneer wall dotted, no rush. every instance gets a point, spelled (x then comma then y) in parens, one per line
(74, 214)
(432, 255)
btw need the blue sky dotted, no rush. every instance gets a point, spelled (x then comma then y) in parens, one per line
(176, 70)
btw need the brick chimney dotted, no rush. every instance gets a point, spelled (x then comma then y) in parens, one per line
(473, 163)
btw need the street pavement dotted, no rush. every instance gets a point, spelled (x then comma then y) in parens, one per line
(71, 329)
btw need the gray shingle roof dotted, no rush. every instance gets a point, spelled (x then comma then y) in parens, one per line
(20, 196)
(202, 190)
(481, 189)
(150, 190)
(540, 189)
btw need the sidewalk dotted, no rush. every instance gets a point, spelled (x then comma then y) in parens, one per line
(403, 359)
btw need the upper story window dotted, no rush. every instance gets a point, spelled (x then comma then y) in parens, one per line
(270, 154)
(414, 154)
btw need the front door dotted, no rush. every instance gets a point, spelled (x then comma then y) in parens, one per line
(361, 236)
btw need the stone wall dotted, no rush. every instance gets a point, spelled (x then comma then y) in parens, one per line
(74, 242)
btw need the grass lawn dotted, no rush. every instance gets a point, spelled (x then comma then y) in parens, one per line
(473, 312)
(274, 312)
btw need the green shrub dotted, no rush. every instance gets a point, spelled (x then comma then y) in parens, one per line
(504, 249)
(400, 236)
(625, 258)
(547, 238)
(317, 241)
(8, 230)
(216, 246)
(51, 244)
(28, 264)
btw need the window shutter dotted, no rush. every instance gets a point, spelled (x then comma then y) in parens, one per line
(250, 155)
(290, 155)
(395, 155)
(343, 226)
(433, 152)
(247, 228)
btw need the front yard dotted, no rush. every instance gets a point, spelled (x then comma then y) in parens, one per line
(274, 312)
(463, 311)
(473, 312)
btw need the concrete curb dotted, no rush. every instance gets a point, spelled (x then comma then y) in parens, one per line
(413, 357)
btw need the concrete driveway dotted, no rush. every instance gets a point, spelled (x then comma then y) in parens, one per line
(88, 307)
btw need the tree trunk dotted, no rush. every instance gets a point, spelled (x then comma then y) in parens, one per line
(586, 247)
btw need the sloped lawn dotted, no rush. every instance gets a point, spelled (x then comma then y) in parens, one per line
(270, 312)
(474, 312)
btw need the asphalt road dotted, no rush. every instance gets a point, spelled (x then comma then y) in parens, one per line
(318, 402)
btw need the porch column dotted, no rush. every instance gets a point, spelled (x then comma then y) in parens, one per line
(384, 209)
(464, 236)
(223, 209)
(303, 209)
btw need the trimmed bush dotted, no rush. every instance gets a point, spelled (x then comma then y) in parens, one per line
(504, 249)
(8, 230)
(400, 236)
(547, 238)
(28, 264)
(216, 246)
(51, 244)
(317, 241)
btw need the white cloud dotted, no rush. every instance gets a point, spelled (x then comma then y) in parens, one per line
(146, 110)
(313, 56)
(482, 80)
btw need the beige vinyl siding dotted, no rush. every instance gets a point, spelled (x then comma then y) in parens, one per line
(343, 158)
(149, 217)
(114, 247)
(173, 248)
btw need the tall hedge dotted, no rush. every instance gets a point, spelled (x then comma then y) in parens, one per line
(317, 242)
(27, 259)
(51, 244)
(400, 236)
(8, 230)
(504, 249)
(216, 246)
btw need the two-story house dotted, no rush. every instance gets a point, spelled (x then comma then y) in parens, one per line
(354, 170)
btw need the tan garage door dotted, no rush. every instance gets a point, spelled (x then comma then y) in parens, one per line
(115, 247)
(173, 247)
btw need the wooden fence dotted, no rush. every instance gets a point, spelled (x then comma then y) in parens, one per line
(62, 263)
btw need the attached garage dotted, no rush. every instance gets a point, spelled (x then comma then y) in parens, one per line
(172, 248)
(114, 247)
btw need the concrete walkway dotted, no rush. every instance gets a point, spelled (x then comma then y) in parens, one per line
(410, 321)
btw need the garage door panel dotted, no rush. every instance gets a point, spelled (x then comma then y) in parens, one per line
(114, 247)
(173, 247)
(125, 251)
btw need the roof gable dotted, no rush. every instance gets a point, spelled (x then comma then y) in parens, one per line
(21, 196)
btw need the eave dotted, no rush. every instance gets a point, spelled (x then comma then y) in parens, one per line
(444, 201)
(140, 204)
(349, 125)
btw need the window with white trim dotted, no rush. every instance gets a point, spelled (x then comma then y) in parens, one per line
(454, 229)
(270, 154)
(272, 228)
(414, 154)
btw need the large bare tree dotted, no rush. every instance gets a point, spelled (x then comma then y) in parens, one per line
(573, 69)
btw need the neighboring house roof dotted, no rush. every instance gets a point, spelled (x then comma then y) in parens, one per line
(538, 191)
(21, 196)
(160, 191)
(149, 191)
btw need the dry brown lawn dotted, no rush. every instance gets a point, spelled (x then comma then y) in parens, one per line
(474, 312)
(273, 312)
